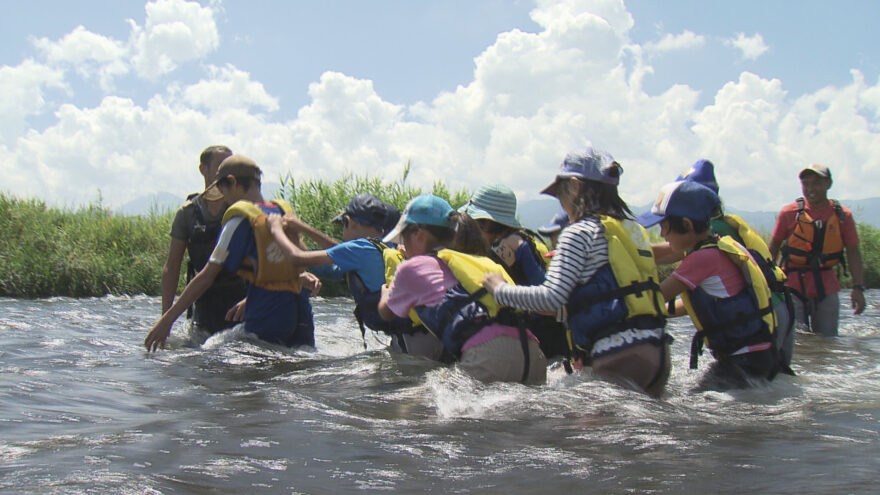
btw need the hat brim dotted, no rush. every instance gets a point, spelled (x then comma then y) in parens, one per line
(649, 219)
(549, 229)
(212, 193)
(551, 189)
(395, 234)
(478, 213)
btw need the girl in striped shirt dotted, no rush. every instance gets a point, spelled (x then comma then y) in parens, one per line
(623, 342)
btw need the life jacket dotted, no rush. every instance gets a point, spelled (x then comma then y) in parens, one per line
(273, 271)
(466, 307)
(814, 246)
(753, 242)
(366, 310)
(210, 308)
(727, 325)
(622, 295)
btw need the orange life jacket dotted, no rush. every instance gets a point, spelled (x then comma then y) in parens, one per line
(814, 245)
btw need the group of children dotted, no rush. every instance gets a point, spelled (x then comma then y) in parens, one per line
(474, 287)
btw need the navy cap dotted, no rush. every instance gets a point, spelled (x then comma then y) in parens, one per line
(369, 210)
(684, 199)
(588, 164)
(559, 221)
(701, 172)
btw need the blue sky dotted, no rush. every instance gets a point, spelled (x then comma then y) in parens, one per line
(122, 96)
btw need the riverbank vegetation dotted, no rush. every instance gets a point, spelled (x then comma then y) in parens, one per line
(90, 251)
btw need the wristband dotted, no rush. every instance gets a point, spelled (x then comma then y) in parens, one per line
(859, 287)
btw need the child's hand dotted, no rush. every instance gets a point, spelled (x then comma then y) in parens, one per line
(491, 281)
(274, 221)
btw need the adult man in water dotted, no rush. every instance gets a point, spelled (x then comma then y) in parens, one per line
(194, 230)
(278, 308)
(812, 234)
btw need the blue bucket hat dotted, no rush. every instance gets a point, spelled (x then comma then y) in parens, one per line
(559, 221)
(681, 199)
(369, 210)
(494, 202)
(701, 172)
(426, 209)
(588, 164)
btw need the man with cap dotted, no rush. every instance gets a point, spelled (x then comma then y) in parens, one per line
(278, 308)
(194, 231)
(360, 259)
(812, 234)
(723, 289)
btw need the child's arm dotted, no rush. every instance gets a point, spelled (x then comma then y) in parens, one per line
(293, 224)
(670, 288)
(294, 253)
(665, 255)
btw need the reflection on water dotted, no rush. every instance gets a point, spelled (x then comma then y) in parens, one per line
(84, 409)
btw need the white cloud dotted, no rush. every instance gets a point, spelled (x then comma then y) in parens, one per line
(92, 55)
(228, 87)
(23, 89)
(750, 47)
(674, 42)
(175, 31)
(533, 97)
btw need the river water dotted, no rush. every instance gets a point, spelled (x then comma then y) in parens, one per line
(84, 409)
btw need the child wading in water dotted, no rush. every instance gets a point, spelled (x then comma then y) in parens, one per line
(723, 289)
(603, 274)
(441, 288)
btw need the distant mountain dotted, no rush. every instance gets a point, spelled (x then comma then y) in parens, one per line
(537, 212)
(159, 202)
(164, 202)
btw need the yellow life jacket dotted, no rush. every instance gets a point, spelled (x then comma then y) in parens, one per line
(273, 271)
(734, 313)
(469, 270)
(631, 275)
(755, 244)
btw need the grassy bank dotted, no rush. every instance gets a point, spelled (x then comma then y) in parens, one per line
(92, 252)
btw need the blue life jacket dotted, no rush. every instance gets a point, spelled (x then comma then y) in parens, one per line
(621, 295)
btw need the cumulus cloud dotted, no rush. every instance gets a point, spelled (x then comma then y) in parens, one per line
(24, 94)
(175, 31)
(673, 42)
(750, 47)
(533, 97)
(90, 54)
(228, 87)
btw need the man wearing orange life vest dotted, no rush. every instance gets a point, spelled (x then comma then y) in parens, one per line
(813, 233)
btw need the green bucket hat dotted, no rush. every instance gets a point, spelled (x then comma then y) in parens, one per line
(494, 202)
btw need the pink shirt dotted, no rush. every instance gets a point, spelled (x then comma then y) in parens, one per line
(423, 281)
(712, 271)
(785, 224)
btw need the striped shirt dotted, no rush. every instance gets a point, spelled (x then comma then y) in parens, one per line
(582, 249)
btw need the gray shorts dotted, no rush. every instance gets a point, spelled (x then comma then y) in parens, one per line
(817, 316)
(501, 360)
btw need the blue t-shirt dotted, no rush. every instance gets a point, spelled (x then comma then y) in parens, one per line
(362, 257)
(276, 316)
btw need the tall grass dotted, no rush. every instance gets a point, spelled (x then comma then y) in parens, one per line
(88, 252)
(317, 201)
(92, 252)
